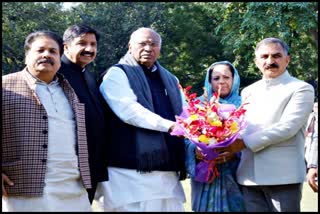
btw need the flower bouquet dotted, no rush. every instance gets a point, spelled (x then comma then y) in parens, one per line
(209, 125)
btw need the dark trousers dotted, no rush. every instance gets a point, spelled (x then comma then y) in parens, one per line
(273, 198)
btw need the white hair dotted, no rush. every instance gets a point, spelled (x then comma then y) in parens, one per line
(135, 33)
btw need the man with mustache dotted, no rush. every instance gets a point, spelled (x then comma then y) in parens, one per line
(145, 161)
(80, 49)
(44, 150)
(272, 167)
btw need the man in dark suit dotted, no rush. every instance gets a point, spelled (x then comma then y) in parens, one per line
(80, 49)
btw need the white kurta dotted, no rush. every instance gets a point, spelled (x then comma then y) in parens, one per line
(63, 189)
(127, 187)
(128, 190)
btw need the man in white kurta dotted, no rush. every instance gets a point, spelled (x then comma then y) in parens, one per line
(128, 189)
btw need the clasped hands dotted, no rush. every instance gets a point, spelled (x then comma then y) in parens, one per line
(226, 153)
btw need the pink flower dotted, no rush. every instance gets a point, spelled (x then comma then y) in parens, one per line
(209, 124)
(209, 121)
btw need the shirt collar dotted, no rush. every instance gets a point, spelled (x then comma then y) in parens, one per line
(31, 79)
(73, 66)
(277, 80)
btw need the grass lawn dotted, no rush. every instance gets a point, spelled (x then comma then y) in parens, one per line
(309, 202)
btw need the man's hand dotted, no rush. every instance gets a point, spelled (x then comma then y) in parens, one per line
(225, 157)
(171, 128)
(311, 178)
(6, 180)
(235, 147)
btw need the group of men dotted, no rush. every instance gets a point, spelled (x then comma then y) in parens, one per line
(64, 136)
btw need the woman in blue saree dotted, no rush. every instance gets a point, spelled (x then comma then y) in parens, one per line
(223, 194)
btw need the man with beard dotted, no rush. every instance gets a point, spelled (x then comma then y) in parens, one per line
(80, 49)
(44, 150)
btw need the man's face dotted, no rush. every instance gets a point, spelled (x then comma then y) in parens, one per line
(271, 60)
(43, 58)
(145, 47)
(82, 50)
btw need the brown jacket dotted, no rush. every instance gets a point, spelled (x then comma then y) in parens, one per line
(25, 135)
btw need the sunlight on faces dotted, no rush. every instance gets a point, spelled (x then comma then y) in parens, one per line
(144, 46)
(269, 54)
(41, 49)
(221, 76)
(82, 50)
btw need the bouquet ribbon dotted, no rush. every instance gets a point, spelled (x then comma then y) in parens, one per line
(206, 169)
(201, 120)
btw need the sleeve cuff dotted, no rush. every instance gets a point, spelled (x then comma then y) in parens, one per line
(312, 166)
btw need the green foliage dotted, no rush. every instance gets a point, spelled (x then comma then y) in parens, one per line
(21, 18)
(295, 23)
(194, 34)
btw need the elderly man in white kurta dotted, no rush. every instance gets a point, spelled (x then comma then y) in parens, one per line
(272, 167)
(145, 163)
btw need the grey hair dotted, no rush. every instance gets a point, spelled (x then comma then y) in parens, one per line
(273, 40)
(134, 34)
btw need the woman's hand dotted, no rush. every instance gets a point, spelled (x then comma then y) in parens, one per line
(199, 155)
(225, 157)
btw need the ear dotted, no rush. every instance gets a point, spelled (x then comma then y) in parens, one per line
(288, 59)
(65, 48)
(255, 60)
(129, 47)
(26, 59)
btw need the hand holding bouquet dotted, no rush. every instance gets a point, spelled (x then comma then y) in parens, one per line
(209, 125)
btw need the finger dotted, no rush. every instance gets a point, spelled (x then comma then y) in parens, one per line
(4, 192)
(224, 153)
(220, 150)
(6, 180)
(313, 185)
(221, 159)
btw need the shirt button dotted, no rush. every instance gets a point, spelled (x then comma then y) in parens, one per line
(44, 131)
(43, 160)
(44, 117)
(45, 146)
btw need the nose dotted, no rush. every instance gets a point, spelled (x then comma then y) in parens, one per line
(89, 48)
(148, 47)
(46, 54)
(221, 80)
(270, 60)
